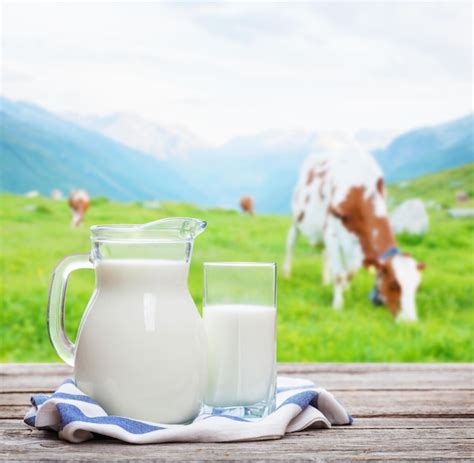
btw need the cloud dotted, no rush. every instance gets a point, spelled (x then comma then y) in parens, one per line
(224, 69)
(12, 76)
(238, 22)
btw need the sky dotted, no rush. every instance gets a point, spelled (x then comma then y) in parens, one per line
(223, 69)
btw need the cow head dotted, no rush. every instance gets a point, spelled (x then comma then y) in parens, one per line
(398, 278)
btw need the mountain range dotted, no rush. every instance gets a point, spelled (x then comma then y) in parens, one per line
(125, 157)
(430, 149)
(41, 151)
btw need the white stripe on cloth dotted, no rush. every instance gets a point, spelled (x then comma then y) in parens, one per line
(76, 417)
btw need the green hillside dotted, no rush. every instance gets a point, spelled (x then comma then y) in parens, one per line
(440, 188)
(36, 233)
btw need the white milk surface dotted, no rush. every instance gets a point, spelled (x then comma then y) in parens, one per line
(241, 353)
(141, 348)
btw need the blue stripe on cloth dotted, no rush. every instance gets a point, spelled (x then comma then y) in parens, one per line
(79, 397)
(39, 399)
(302, 399)
(30, 421)
(315, 401)
(69, 381)
(70, 414)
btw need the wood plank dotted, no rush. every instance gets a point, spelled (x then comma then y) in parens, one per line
(358, 376)
(343, 443)
(337, 376)
(360, 404)
(32, 376)
(366, 423)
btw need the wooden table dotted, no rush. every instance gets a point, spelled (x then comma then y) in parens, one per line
(401, 412)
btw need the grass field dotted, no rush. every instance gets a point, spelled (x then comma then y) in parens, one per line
(36, 234)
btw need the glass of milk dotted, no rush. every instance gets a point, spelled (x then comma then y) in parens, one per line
(239, 312)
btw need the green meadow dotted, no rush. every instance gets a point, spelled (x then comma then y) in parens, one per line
(36, 233)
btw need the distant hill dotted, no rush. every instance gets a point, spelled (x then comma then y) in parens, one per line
(264, 165)
(430, 149)
(41, 151)
(439, 188)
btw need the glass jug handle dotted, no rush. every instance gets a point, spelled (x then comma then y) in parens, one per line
(57, 297)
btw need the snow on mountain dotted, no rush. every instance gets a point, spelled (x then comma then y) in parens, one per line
(144, 135)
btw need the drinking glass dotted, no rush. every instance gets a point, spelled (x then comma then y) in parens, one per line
(239, 312)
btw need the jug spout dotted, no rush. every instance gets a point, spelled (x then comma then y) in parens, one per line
(184, 228)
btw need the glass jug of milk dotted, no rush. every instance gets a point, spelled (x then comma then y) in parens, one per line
(140, 350)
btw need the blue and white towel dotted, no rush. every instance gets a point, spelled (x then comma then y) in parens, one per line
(77, 418)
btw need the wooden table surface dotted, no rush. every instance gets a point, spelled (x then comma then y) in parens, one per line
(401, 412)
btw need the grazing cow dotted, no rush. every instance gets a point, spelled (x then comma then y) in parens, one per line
(246, 204)
(79, 203)
(339, 200)
(462, 196)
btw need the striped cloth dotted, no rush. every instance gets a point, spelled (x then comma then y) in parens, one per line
(77, 418)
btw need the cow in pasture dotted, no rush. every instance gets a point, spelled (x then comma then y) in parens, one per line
(79, 202)
(340, 200)
(246, 204)
(462, 197)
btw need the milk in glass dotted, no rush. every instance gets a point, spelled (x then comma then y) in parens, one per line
(241, 353)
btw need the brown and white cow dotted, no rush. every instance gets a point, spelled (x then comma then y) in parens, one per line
(246, 204)
(339, 200)
(79, 202)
